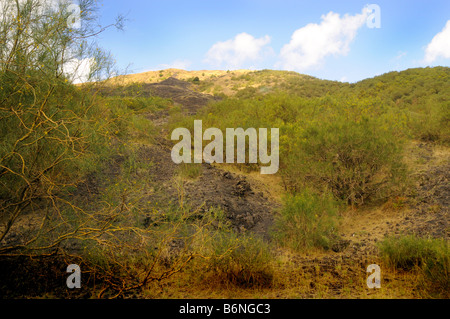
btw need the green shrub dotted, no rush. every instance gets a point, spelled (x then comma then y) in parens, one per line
(307, 220)
(430, 256)
(196, 80)
(356, 160)
(241, 260)
(432, 124)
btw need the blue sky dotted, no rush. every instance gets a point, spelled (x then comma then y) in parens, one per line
(327, 39)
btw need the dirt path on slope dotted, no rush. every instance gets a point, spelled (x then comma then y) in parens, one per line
(247, 207)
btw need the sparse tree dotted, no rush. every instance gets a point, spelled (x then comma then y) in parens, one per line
(41, 112)
(46, 134)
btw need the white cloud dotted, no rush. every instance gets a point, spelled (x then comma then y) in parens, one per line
(439, 47)
(233, 53)
(311, 44)
(79, 71)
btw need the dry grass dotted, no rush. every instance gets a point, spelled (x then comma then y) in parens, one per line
(292, 280)
(158, 76)
(318, 274)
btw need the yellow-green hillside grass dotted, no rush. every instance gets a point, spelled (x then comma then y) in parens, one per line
(352, 148)
(307, 221)
(429, 256)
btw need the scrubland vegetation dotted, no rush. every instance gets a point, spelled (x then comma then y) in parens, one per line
(76, 180)
(343, 145)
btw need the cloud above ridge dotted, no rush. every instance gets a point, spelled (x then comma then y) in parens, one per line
(311, 44)
(234, 53)
(439, 47)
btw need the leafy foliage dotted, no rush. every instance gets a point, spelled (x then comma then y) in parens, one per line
(430, 256)
(307, 220)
